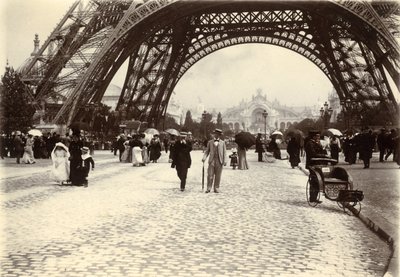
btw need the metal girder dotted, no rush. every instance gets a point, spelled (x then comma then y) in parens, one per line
(365, 11)
(69, 49)
(95, 45)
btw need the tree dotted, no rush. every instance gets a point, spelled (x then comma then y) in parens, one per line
(15, 108)
(206, 125)
(168, 122)
(219, 121)
(188, 121)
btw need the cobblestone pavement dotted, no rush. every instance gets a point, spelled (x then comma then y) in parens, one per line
(378, 186)
(135, 222)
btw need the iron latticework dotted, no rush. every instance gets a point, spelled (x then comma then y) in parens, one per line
(352, 42)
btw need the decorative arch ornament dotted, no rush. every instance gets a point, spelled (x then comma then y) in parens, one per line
(352, 43)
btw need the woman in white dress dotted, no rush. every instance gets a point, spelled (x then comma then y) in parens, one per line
(136, 146)
(126, 155)
(60, 156)
(28, 157)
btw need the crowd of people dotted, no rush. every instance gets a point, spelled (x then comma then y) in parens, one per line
(27, 147)
(71, 155)
(72, 160)
(138, 149)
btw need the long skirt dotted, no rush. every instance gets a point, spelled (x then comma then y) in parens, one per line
(242, 160)
(127, 155)
(60, 169)
(145, 155)
(137, 156)
(294, 159)
(28, 157)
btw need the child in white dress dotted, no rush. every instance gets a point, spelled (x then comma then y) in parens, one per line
(59, 156)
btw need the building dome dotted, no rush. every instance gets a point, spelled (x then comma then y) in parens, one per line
(22, 68)
(111, 96)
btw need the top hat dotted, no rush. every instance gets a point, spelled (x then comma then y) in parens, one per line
(218, 131)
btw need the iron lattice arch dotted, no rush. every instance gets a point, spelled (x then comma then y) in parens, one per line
(352, 42)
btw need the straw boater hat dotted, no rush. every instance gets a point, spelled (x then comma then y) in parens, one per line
(183, 134)
(218, 131)
(85, 149)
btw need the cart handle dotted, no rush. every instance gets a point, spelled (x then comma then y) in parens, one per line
(323, 160)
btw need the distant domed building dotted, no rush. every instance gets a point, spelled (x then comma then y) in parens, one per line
(111, 96)
(175, 110)
(248, 116)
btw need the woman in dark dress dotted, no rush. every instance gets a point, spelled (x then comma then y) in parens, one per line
(274, 148)
(293, 149)
(76, 158)
(335, 148)
(155, 149)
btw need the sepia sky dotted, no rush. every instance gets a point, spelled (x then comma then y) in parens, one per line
(219, 80)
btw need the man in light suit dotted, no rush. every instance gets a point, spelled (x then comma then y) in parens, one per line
(216, 148)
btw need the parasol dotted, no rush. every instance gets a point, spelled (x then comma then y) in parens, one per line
(277, 133)
(332, 132)
(35, 132)
(146, 138)
(245, 139)
(152, 131)
(172, 132)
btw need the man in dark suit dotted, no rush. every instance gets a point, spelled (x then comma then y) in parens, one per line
(18, 146)
(121, 146)
(366, 145)
(216, 148)
(314, 149)
(381, 141)
(181, 159)
(259, 147)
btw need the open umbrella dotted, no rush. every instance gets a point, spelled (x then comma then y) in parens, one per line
(35, 132)
(332, 132)
(245, 139)
(295, 133)
(277, 133)
(335, 132)
(172, 132)
(152, 131)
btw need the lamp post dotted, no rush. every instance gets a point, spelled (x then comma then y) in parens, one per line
(348, 107)
(265, 114)
(203, 116)
(326, 113)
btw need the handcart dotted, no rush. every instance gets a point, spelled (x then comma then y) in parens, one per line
(334, 182)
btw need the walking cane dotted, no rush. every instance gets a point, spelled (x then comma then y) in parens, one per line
(202, 179)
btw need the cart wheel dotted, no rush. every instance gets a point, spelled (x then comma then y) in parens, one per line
(308, 190)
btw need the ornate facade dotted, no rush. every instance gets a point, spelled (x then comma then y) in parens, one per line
(248, 116)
